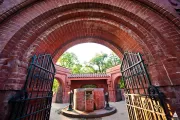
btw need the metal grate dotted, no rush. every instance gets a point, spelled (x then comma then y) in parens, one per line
(144, 101)
(34, 101)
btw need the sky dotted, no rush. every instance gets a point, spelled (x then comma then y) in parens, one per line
(86, 51)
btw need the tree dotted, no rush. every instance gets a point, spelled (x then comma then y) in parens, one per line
(99, 61)
(122, 84)
(77, 68)
(88, 69)
(55, 86)
(68, 60)
(98, 64)
(102, 61)
(113, 60)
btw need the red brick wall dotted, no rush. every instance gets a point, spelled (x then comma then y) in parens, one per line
(62, 77)
(115, 74)
(89, 105)
(79, 100)
(99, 99)
(31, 27)
(83, 103)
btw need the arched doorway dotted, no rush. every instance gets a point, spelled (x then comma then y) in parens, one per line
(57, 91)
(139, 26)
(118, 93)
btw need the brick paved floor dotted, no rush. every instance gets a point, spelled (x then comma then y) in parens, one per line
(121, 113)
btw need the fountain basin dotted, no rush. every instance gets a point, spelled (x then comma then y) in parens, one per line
(82, 114)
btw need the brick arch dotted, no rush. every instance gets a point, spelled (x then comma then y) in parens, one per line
(81, 29)
(60, 81)
(118, 78)
(156, 51)
(97, 40)
(155, 6)
(59, 94)
(153, 28)
(114, 77)
(20, 45)
(21, 31)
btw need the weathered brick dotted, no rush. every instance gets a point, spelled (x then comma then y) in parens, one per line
(32, 27)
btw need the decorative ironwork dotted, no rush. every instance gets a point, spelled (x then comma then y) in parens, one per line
(34, 101)
(144, 101)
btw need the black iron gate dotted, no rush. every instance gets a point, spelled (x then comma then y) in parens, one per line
(34, 101)
(144, 101)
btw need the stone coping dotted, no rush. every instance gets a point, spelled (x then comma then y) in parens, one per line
(81, 114)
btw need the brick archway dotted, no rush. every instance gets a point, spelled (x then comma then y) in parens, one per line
(57, 95)
(97, 40)
(62, 77)
(118, 92)
(32, 27)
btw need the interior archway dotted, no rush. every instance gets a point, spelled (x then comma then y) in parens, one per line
(119, 95)
(58, 92)
(97, 40)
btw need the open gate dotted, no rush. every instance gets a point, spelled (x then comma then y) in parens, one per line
(34, 101)
(144, 101)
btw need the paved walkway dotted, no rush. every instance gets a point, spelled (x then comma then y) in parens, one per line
(121, 113)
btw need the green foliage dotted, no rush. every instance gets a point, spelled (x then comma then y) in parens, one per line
(77, 68)
(102, 61)
(55, 86)
(99, 61)
(113, 60)
(98, 64)
(122, 84)
(68, 60)
(88, 69)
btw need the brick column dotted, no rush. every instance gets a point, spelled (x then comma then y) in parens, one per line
(66, 95)
(111, 91)
(166, 76)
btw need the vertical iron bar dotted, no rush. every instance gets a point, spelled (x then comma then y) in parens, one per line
(134, 72)
(136, 79)
(41, 69)
(29, 71)
(145, 70)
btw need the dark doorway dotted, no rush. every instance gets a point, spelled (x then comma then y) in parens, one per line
(118, 93)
